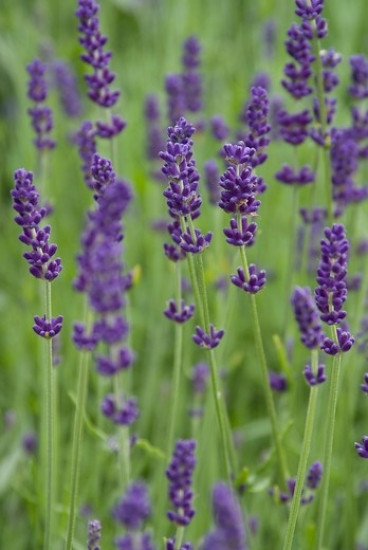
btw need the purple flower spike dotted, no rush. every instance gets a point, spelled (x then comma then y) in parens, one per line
(175, 97)
(364, 387)
(314, 475)
(219, 128)
(331, 293)
(306, 315)
(344, 343)
(180, 473)
(93, 41)
(134, 508)
(65, 82)
(243, 237)
(209, 341)
(294, 127)
(289, 176)
(229, 533)
(314, 379)
(170, 545)
(191, 79)
(94, 534)
(41, 115)
(185, 313)
(359, 76)
(46, 328)
(308, 10)
(362, 450)
(257, 113)
(256, 281)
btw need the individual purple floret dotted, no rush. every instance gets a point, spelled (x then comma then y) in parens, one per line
(254, 283)
(41, 115)
(108, 130)
(344, 342)
(29, 215)
(134, 541)
(134, 507)
(359, 76)
(314, 379)
(278, 381)
(306, 315)
(180, 473)
(219, 128)
(289, 176)
(195, 243)
(229, 533)
(65, 82)
(331, 293)
(85, 139)
(308, 9)
(209, 341)
(123, 411)
(170, 545)
(240, 185)
(94, 534)
(47, 328)
(184, 314)
(241, 237)
(212, 181)
(362, 450)
(109, 366)
(93, 41)
(314, 475)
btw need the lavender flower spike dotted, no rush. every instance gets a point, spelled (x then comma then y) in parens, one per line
(48, 328)
(41, 115)
(209, 341)
(134, 508)
(306, 315)
(229, 533)
(179, 473)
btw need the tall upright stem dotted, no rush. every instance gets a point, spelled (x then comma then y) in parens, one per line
(303, 460)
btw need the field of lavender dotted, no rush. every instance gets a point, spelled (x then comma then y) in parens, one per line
(184, 277)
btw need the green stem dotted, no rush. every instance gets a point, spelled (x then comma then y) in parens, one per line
(200, 292)
(327, 457)
(264, 373)
(77, 438)
(303, 460)
(179, 537)
(50, 442)
(178, 349)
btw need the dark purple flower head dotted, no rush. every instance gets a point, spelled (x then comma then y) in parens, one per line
(362, 450)
(47, 328)
(314, 475)
(294, 127)
(93, 42)
(298, 45)
(314, 379)
(289, 176)
(199, 377)
(109, 366)
(209, 341)
(308, 9)
(180, 473)
(239, 190)
(179, 316)
(252, 284)
(229, 533)
(278, 381)
(134, 507)
(359, 76)
(108, 130)
(170, 545)
(306, 315)
(219, 128)
(122, 411)
(331, 293)
(344, 342)
(257, 120)
(243, 236)
(94, 534)
(65, 82)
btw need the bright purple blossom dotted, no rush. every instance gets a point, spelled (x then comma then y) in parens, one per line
(253, 283)
(180, 473)
(314, 475)
(243, 236)
(306, 315)
(41, 115)
(209, 341)
(314, 379)
(181, 315)
(123, 411)
(47, 328)
(294, 127)
(344, 342)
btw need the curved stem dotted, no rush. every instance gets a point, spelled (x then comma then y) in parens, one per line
(303, 460)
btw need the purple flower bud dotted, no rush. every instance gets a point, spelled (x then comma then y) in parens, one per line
(362, 450)
(123, 411)
(243, 237)
(94, 534)
(219, 128)
(288, 175)
(314, 475)
(199, 377)
(30, 443)
(185, 313)
(255, 282)
(314, 379)
(277, 381)
(134, 507)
